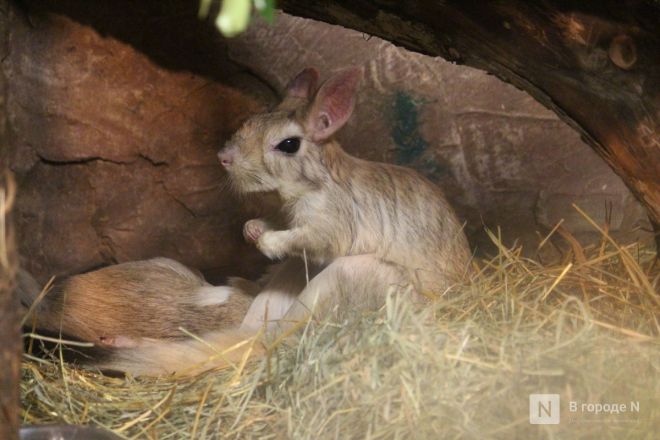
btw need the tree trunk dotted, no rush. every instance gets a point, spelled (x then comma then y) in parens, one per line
(596, 64)
(10, 337)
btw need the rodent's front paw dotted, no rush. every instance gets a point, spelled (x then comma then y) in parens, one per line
(272, 244)
(253, 229)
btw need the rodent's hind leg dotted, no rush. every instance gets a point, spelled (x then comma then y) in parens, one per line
(347, 285)
(249, 287)
(284, 282)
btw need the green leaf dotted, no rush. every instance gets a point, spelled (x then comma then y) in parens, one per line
(234, 17)
(266, 9)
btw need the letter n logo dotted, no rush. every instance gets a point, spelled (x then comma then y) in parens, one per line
(544, 409)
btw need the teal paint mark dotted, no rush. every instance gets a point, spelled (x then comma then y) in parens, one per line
(409, 142)
(410, 145)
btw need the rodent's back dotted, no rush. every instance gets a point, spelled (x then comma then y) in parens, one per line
(140, 299)
(398, 214)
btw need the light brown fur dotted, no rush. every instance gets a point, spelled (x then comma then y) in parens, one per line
(217, 349)
(126, 303)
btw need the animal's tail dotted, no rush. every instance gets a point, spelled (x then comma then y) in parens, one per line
(152, 357)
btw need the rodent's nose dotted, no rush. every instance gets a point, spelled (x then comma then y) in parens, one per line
(226, 157)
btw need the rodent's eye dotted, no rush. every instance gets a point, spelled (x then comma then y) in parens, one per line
(289, 145)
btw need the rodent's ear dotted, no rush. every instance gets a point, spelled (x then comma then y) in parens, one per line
(333, 104)
(304, 84)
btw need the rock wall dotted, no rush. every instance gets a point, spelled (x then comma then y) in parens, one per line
(115, 147)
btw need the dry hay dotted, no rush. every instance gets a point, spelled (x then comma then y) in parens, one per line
(585, 328)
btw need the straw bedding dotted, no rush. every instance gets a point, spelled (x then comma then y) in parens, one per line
(584, 326)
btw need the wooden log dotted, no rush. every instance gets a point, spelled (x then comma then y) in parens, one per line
(10, 337)
(596, 64)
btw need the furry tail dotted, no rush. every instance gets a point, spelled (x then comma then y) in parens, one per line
(221, 349)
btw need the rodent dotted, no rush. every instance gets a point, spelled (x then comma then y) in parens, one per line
(338, 205)
(134, 312)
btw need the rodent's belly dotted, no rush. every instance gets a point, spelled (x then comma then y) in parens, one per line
(363, 242)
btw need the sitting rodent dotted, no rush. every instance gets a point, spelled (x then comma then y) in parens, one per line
(339, 205)
(130, 311)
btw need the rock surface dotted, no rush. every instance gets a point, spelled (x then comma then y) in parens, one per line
(116, 154)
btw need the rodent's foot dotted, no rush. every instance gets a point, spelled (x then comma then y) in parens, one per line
(253, 229)
(272, 244)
